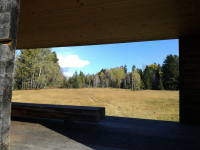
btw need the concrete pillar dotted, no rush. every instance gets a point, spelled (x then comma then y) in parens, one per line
(189, 49)
(9, 14)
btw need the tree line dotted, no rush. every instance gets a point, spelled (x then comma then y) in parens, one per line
(152, 77)
(39, 68)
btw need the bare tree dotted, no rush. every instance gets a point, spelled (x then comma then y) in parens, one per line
(89, 78)
(102, 75)
(96, 81)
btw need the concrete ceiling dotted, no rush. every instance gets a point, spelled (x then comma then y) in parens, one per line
(57, 23)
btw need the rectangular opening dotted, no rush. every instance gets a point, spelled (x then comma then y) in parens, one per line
(102, 76)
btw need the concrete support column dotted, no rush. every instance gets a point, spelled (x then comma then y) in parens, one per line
(9, 14)
(189, 49)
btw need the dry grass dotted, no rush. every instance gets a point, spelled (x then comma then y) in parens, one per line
(147, 104)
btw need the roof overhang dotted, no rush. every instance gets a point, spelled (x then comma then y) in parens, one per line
(58, 23)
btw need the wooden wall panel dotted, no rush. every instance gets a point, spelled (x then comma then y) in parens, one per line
(9, 14)
(189, 49)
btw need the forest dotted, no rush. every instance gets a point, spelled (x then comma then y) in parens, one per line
(39, 69)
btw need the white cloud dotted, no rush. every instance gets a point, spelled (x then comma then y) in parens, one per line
(68, 74)
(72, 61)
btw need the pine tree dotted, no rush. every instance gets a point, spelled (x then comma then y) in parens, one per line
(142, 86)
(140, 72)
(133, 67)
(147, 78)
(125, 69)
(170, 69)
(76, 83)
(160, 87)
(64, 82)
(159, 78)
(76, 80)
(124, 82)
(81, 79)
(55, 58)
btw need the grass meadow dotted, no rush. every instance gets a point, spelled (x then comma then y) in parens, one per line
(145, 104)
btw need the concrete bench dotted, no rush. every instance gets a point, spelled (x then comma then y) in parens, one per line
(63, 112)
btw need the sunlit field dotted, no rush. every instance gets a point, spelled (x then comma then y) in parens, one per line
(146, 104)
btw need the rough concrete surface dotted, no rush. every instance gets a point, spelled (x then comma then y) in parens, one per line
(113, 133)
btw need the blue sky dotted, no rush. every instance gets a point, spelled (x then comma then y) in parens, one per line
(91, 59)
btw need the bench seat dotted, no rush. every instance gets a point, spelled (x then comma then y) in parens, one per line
(63, 112)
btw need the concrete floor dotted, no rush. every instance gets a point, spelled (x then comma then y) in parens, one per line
(113, 133)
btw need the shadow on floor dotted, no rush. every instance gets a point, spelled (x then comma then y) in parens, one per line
(113, 133)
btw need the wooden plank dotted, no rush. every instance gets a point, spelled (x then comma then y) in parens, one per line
(191, 59)
(64, 112)
(191, 112)
(189, 78)
(190, 105)
(190, 85)
(189, 119)
(189, 40)
(195, 51)
(189, 72)
(189, 99)
(9, 14)
(189, 65)
(190, 92)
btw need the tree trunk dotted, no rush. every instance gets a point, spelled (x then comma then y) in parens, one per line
(134, 84)
(22, 79)
(34, 75)
(31, 80)
(40, 72)
(132, 81)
